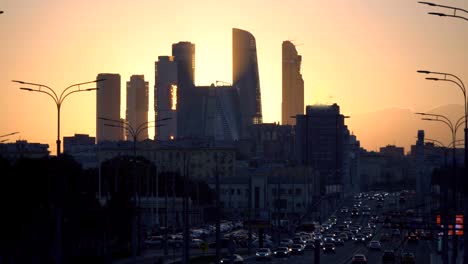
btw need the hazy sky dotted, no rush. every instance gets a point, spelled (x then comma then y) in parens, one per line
(361, 54)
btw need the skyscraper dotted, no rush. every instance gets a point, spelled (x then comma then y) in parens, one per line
(108, 106)
(165, 98)
(189, 98)
(137, 106)
(245, 78)
(293, 84)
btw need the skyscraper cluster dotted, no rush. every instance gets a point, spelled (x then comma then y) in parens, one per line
(184, 110)
(215, 112)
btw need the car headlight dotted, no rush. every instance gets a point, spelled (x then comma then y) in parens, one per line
(258, 255)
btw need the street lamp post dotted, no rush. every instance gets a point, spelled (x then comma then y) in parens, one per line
(453, 128)
(134, 132)
(58, 100)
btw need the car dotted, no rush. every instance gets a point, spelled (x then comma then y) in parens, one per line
(408, 258)
(359, 259)
(286, 242)
(154, 241)
(319, 240)
(266, 243)
(426, 235)
(348, 221)
(310, 245)
(263, 253)
(372, 225)
(385, 237)
(281, 252)
(329, 248)
(297, 249)
(299, 240)
(237, 260)
(388, 256)
(396, 232)
(339, 241)
(328, 239)
(196, 243)
(354, 212)
(375, 245)
(344, 236)
(344, 209)
(359, 238)
(412, 237)
(367, 234)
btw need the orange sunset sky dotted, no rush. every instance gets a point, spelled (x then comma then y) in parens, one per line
(361, 54)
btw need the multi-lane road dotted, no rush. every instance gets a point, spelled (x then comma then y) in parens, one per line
(421, 249)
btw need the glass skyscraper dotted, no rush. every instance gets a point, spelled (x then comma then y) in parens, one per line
(245, 78)
(293, 85)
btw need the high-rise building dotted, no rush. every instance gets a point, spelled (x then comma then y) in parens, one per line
(320, 141)
(137, 107)
(165, 98)
(293, 84)
(108, 106)
(245, 78)
(189, 98)
(221, 119)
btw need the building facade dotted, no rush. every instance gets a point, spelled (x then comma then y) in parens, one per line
(293, 85)
(320, 143)
(108, 106)
(137, 108)
(165, 98)
(82, 148)
(246, 79)
(23, 149)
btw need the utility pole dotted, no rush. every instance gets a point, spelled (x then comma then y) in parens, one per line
(218, 212)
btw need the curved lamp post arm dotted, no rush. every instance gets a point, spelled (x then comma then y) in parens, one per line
(123, 124)
(128, 129)
(449, 124)
(435, 141)
(437, 116)
(72, 92)
(63, 95)
(9, 134)
(143, 128)
(459, 123)
(41, 91)
(56, 98)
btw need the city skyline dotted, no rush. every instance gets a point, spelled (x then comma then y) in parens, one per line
(390, 43)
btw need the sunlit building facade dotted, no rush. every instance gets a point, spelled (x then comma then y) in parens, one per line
(165, 98)
(108, 106)
(137, 107)
(245, 78)
(293, 85)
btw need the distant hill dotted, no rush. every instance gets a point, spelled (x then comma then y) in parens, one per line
(397, 126)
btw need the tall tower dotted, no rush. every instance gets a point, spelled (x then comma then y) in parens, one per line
(108, 106)
(245, 78)
(187, 101)
(293, 84)
(165, 98)
(137, 106)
